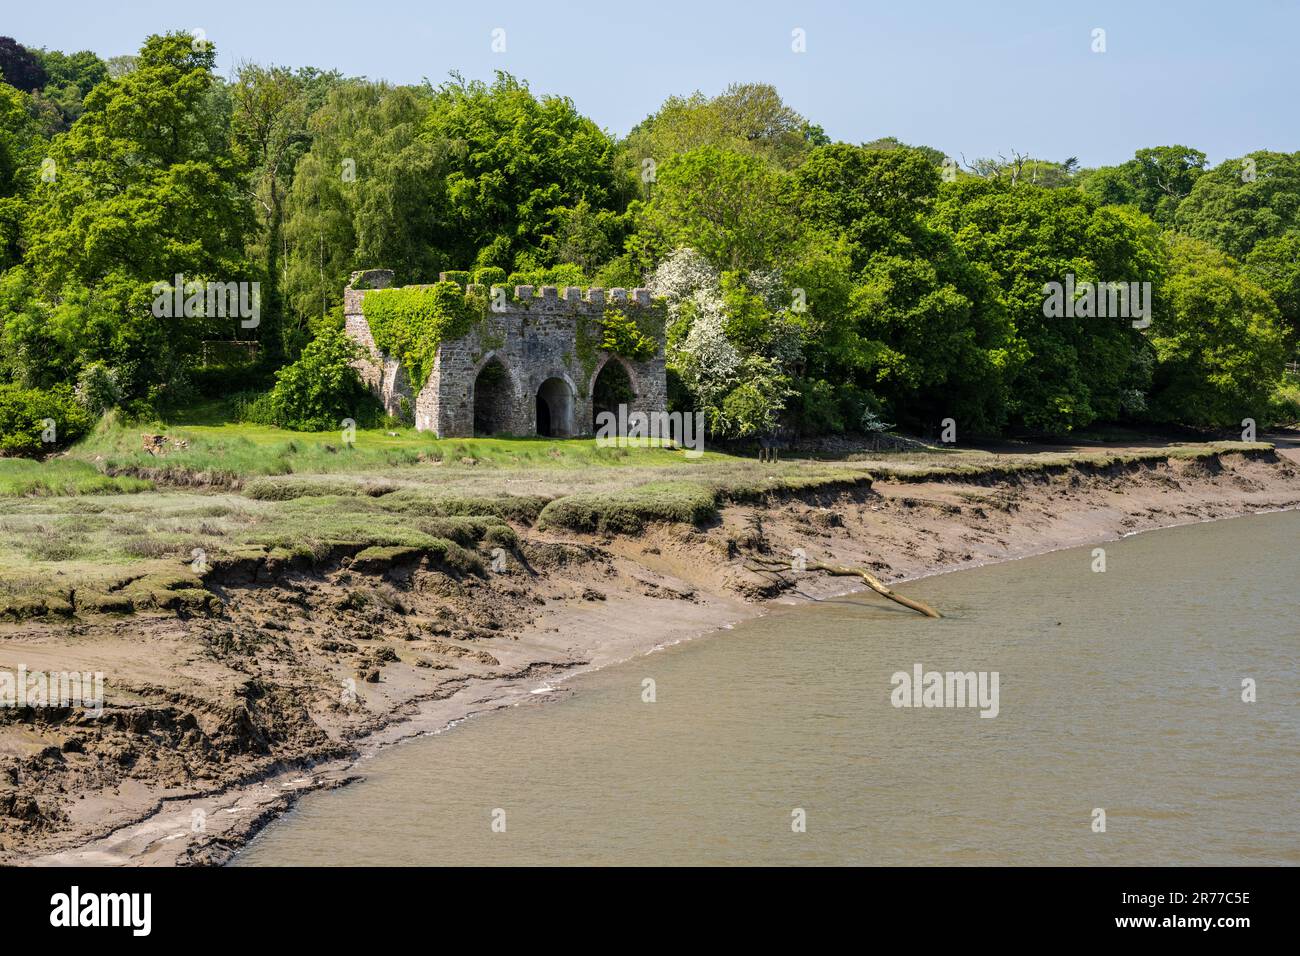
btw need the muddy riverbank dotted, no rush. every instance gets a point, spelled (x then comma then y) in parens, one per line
(214, 724)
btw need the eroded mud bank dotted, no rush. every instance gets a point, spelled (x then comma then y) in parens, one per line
(214, 722)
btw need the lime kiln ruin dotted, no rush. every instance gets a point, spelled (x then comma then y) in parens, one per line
(533, 364)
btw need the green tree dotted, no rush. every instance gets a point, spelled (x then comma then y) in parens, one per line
(930, 336)
(70, 78)
(1219, 347)
(1069, 372)
(1156, 180)
(144, 188)
(516, 164)
(873, 197)
(1243, 201)
(747, 118)
(734, 208)
(365, 194)
(19, 148)
(1274, 265)
(269, 126)
(935, 156)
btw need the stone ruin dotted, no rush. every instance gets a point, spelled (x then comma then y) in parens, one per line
(517, 373)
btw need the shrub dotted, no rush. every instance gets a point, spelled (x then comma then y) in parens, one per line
(253, 408)
(98, 389)
(34, 421)
(490, 276)
(320, 389)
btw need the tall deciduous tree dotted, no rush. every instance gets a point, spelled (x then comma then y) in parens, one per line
(516, 165)
(1071, 370)
(734, 208)
(1219, 345)
(1274, 265)
(934, 340)
(1156, 180)
(269, 126)
(746, 118)
(1243, 201)
(143, 187)
(365, 194)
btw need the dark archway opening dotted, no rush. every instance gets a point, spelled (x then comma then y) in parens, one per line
(492, 399)
(555, 409)
(613, 387)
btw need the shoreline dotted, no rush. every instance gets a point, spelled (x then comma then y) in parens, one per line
(906, 531)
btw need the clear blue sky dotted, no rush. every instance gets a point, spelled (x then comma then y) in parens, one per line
(977, 77)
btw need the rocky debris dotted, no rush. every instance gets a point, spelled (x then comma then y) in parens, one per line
(158, 445)
(455, 650)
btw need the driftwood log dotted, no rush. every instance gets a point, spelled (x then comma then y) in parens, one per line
(842, 570)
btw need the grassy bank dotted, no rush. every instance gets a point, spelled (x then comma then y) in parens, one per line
(108, 515)
(228, 454)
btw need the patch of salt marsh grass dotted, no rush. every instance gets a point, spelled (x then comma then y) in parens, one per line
(629, 510)
(61, 477)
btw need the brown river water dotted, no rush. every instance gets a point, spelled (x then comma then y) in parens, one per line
(1118, 691)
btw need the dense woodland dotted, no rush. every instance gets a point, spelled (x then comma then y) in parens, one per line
(810, 285)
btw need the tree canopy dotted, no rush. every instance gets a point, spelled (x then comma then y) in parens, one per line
(812, 285)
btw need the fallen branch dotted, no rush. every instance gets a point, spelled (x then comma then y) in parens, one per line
(841, 570)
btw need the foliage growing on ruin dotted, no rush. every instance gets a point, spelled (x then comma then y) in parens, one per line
(410, 323)
(621, 335)
(634, 334)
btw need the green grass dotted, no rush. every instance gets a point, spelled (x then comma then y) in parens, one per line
(627, 511)
(59, 476)
(229, 453)
(992, 467)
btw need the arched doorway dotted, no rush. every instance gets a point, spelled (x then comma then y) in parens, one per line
(612, 388)
(555, 409)
(493, 398)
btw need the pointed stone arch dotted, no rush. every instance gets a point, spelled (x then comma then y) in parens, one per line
(494, 396)
(556, 406)
(618, 385)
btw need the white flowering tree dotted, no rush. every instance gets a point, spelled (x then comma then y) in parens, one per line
(730, 341)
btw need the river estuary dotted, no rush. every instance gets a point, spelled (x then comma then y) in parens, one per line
(780, 742)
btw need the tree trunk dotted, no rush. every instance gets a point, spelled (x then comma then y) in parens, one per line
(840, 570)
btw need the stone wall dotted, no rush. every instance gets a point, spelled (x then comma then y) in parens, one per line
(534, 340)
(382, 375)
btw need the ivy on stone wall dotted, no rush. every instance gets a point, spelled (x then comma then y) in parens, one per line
(409, 323)
(634, 334)
(622, 336)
